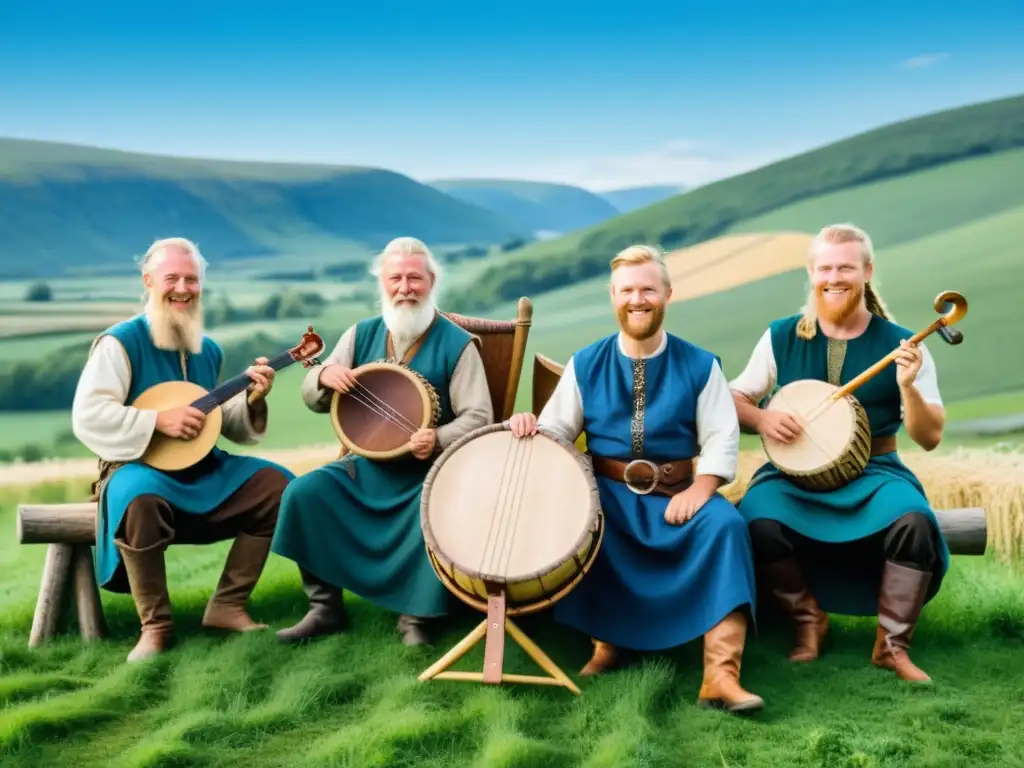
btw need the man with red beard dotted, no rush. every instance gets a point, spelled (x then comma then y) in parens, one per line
(143, 510)
(661, 430)
(872, 547)
(355, 523)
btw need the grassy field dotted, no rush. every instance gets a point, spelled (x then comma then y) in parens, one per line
(354, 699)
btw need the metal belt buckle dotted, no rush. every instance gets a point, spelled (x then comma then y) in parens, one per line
(655, 476)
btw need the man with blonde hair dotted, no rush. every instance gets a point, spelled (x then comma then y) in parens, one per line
(662, 434)
(355, 523)
(143, 510)
(872, 547)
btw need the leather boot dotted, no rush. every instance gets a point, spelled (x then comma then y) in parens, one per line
(899, 605)
(412, 630)
(147, 578)
(785, 580)
(603, 659)
(723, 652)
(326, 615)
(226, 609)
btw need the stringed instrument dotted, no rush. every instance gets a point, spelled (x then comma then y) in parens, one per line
(834, 445)
(171, 454)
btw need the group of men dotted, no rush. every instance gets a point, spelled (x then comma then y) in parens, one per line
(677, 563)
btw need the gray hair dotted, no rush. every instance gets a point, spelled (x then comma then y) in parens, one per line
(409, 246)
(155, 254)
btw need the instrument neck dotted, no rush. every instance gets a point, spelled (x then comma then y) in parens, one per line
(236, 384)
(877, 368)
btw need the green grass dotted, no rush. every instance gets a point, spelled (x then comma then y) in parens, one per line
(353, 699)
(905, 149)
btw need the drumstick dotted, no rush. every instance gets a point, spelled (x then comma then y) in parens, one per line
(957, 305)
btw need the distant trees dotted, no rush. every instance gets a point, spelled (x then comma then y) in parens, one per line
(39, 291)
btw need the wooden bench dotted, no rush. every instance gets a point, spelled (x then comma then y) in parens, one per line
(70, 532)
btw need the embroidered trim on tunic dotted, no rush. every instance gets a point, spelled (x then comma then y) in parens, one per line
(636, 425)
(836, 357)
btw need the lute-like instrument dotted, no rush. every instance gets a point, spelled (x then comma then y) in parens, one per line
(834, 445)
(175, 453)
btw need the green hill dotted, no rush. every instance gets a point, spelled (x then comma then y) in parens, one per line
(64, 206)
(630, 199)
(533, 205)
(934, 140)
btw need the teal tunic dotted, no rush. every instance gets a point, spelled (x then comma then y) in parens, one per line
(355, 523)
(883, 493)
(654, 585)
(198, 490)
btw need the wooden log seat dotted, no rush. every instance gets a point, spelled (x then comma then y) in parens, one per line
(70, 532)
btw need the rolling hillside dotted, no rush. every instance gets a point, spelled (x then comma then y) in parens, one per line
(533, 205)
(933, 143)
(631, 198)
(64, 206)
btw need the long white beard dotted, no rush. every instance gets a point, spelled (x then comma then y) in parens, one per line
(175, 331)
(407, 322)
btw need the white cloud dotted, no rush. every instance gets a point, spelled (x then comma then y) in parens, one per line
(924, 60)
(683, 162)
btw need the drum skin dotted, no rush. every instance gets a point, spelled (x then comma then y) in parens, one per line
(833, 449)
(521, 515)
(377, 418)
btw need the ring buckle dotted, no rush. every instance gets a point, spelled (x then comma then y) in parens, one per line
(655, 476)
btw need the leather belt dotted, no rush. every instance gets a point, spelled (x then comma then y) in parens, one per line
(643, 476)
(880, 445)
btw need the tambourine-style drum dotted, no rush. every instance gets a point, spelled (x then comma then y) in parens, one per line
(518, 514)
(388, 404)
(835, 443)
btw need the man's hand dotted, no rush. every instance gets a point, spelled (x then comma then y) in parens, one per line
(685, 505)
(523, 424)
(183, 422)
(262, 376)
(908, 363)
(781, 427)
(422, 443)
(337, 377)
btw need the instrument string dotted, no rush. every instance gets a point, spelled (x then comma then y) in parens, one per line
(525, 453)
(368, 393)
(497, 546)
(805, 422)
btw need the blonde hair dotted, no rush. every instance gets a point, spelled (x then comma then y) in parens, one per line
(837, 234)
(642, 254)
(156, 253)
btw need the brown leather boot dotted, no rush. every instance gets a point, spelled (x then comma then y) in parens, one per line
(723, 652)
(603, 659)
(899, 605)
(326, 615)
(785, 579)
(226, 609)
(147, 578)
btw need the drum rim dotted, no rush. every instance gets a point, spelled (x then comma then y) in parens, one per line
(857, 409)
(593, 513)
(429, 414)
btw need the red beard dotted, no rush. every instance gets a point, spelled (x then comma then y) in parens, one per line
(833, 312)
(643, 327)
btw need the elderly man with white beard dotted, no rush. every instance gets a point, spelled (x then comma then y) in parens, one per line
(143, 510)
(355, 523)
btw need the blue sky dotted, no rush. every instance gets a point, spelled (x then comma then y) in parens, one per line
(602, 96)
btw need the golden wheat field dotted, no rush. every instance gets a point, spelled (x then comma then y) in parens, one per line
(726, 262)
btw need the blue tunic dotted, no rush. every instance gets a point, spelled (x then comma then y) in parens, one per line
(885, 491)
(199, 490)
(355, 522)
(654, 585)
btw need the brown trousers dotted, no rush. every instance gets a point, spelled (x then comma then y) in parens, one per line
(150, 522)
